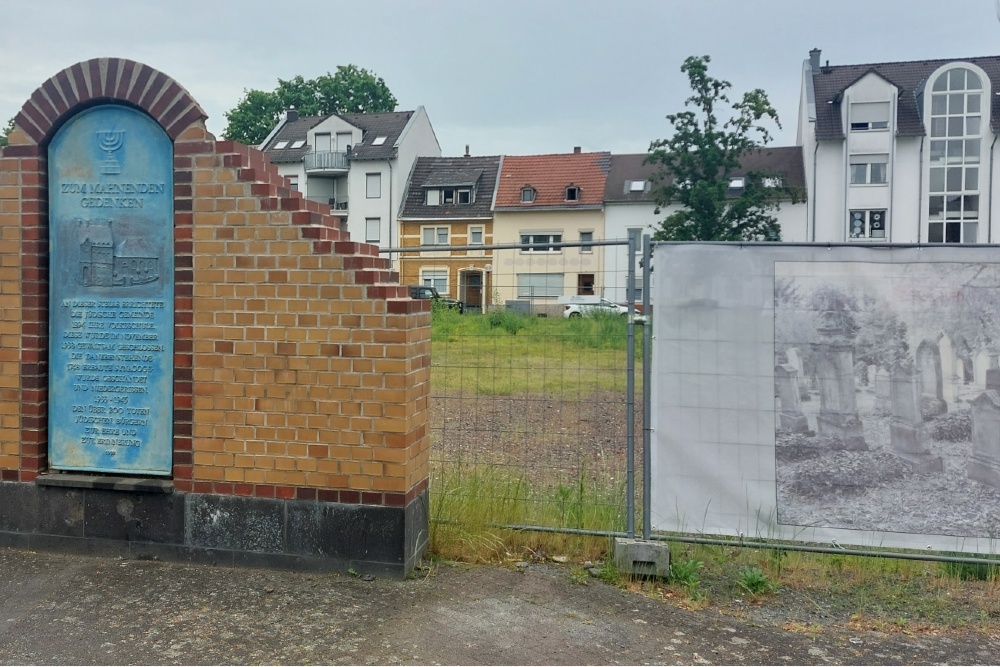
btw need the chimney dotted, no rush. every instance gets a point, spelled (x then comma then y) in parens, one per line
(814, 59)
(576, 149)
(826, 68)
(292, 115)
(467, 150)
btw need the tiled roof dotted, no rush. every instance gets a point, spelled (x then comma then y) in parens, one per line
(290, 133)
(374, 125)
(441, 171)
(388, 125)
(782, 161)
(909, 77)
(550, 175)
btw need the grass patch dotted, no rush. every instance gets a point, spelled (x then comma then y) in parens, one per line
(468, 503)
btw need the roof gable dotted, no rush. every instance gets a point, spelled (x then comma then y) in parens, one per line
(550, 176)
(375, 126)
(438, 172)
(830, 83)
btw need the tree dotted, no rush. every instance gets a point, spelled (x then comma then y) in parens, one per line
(350, 90)
(696, 165)
(6, 132)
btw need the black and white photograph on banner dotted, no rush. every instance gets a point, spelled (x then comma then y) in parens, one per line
(887, 396)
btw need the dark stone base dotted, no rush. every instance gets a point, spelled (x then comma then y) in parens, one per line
(932, 407)
(222, 530)
(796, 423)
(846, 430)
(909, 443)
(984, 470)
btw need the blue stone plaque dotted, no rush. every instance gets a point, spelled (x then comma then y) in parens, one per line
(111, 306)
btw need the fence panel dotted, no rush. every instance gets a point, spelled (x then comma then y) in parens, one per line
(529, 382)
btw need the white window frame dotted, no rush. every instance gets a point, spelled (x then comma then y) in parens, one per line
(636, 185)
(584, 247)
(865, 165)
(867, 219)
(293, 182)
(528, 194)
(548, 288)
(432, 197)
(373, 183)
(537, 242)
(437, 234)
(637, 233)
(870, 116)
(432, 276)
(575, 191)
(369, 222)
(482, 235)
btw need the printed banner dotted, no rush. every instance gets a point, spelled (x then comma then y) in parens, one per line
(828, 394)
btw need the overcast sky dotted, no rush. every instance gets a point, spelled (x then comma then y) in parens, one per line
(504, 76)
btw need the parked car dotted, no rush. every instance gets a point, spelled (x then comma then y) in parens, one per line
(577, 306)
(426, 292)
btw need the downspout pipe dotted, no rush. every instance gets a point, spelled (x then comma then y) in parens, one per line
(920, 191)
(815, 193)
(989, 225)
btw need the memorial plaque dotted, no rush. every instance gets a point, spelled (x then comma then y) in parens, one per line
(111, 315)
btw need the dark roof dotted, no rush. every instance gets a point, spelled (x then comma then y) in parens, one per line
(830, 82)
(441, 171)
(781, 161)
(550, 176)
(291, 132)
(373, 125)
(388, 125)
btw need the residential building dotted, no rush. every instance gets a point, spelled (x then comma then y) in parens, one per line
(358, 163)
(549, 199)
(901, 151)
(630, 207)
(448, 202)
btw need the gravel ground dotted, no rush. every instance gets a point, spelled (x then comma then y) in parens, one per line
(67, 609)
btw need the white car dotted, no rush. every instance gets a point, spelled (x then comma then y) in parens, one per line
(592, 306)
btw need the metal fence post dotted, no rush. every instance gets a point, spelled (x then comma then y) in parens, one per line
(630, 388)
(647, 396)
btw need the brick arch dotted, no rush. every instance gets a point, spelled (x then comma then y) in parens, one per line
(108, 80)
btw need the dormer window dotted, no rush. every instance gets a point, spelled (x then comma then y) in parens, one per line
(869, 116)
(572, 193)
(772, 182)
(527, 194)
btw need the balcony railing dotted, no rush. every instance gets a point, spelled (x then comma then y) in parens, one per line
(327, 161)
(332, 202)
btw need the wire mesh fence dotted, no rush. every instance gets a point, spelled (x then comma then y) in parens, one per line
(531, 396)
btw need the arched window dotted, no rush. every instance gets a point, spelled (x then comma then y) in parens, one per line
(958, 110)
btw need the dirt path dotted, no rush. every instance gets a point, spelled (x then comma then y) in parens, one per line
(64, 609)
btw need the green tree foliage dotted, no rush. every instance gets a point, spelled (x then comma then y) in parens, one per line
(697, 162)
(5, 132)
(350, 90)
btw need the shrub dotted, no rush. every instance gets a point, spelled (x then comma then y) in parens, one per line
(753, 580)
(953, 427)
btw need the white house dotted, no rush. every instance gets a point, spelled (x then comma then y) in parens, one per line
(357, 163)
(901, 152)
(630, 206)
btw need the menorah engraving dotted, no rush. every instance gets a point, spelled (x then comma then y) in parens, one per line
(110, 141)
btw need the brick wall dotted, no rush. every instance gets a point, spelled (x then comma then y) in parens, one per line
(301, 366)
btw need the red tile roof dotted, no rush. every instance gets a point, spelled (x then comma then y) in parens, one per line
(550, 175)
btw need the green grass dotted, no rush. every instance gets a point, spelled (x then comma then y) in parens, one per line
(503, 353)
(469, 503)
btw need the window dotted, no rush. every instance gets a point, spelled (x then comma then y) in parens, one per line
(298, 144)
(374, 186)
(539, 284)
(527, 195)
(293, 183)
(465, 196)
(867, 116)
(280, 145)
(434, 235)
(585, 239)
(475, 235)
(585, 284)
(324, 142)
(956, 128)
(536, 242)
(772, 182)
(436, 278)
(637, 292)
(866, 225)
(433, 198)
(636, 186)
(456, 195)
(373, 227)
(869, 169)
(572, 193)
(379, 141)
(737, 183)
(636, 234)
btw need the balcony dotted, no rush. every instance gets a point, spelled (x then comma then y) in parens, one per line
(334, 203)
(327, 162)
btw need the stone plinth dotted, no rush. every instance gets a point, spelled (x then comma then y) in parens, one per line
(838, 413)
(791, 418)
(907, 431)
(984, 464)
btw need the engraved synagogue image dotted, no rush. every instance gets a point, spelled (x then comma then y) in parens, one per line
(103, 264)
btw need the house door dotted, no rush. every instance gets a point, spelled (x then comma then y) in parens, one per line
(585, 284)
(472, 290)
